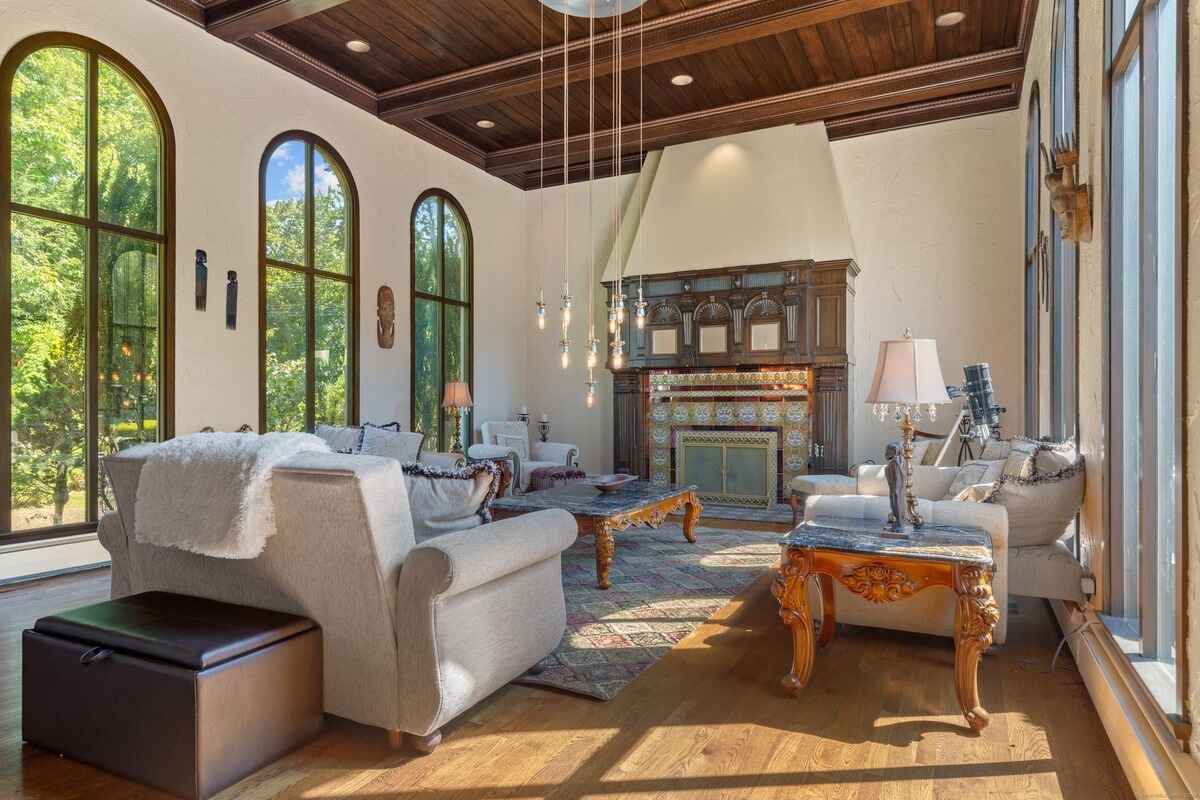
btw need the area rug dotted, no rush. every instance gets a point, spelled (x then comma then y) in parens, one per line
(778, 512)
(663, 588)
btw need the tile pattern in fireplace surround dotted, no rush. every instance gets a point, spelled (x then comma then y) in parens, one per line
(776, 401)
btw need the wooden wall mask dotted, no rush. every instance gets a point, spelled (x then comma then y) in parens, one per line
(385, 309)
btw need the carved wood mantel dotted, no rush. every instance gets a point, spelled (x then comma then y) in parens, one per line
(788, 314)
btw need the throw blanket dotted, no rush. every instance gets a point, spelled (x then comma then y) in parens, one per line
(210, 493)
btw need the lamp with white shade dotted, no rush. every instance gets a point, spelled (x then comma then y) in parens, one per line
(456, 400)
(908, 378)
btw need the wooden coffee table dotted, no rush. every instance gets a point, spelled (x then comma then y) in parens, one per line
(602, 514)
(883, 570)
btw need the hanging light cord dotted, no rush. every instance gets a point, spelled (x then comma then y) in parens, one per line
(591, 168)
(566, 149)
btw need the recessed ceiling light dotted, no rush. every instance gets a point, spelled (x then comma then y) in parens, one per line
(358, 46)
(485, 123)
(949, 19)
(681, 79)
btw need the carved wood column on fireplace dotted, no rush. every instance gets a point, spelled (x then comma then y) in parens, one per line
(629, 422)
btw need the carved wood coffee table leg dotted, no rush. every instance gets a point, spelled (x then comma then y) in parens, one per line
(604, 552)
(975, 616)
(691, 517)
(791, 589)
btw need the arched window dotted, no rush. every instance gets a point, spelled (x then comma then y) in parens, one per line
(1063, 289)
(86, 252)
(1033, 259)
(442, 291)
(308, 286)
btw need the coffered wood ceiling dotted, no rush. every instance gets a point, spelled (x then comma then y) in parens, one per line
(437, 67)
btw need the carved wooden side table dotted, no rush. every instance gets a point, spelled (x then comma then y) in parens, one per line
(601, 514)
(885, 570)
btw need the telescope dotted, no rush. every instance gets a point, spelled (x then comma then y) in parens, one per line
(984, 421)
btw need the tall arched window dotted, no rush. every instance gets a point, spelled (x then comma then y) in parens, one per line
(1064, 299)
(308, 290)
(1033, 260)
(442, 291)
(86, 251)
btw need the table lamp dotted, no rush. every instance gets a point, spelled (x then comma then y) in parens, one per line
(456, 400)
(907, 377)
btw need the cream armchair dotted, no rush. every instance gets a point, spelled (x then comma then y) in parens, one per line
(932, 610)
(511, 440)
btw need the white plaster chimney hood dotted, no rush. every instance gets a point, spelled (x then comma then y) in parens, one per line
(752, 198)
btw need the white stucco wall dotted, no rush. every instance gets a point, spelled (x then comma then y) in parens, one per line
(935, 212)
(226, 105)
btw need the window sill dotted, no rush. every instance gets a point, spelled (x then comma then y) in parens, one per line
(1149, 744)
(1158, 677)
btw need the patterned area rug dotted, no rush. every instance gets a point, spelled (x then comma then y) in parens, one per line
(663, 588)
(780, 512)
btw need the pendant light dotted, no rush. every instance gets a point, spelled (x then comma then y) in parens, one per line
(564, 342)
(593, 344)
(540, 309)
(639, 308)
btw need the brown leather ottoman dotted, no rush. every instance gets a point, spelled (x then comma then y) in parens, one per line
(181, 693)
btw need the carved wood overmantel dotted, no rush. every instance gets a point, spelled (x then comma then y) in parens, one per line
(786, 314)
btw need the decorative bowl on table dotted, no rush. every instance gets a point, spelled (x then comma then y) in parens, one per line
(610, 483)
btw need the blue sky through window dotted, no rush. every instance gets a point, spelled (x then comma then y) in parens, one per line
(285, 172)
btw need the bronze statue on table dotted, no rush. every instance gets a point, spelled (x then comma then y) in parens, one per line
(894, 472)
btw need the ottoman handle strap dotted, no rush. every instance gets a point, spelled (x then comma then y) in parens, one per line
(94, 655)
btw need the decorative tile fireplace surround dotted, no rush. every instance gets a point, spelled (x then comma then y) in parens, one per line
(740, 436)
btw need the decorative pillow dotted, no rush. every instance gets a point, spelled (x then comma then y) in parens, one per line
(995, 450)
(1042, 504)
(1019, 464)
(387, 426)
(402, 446)
(443, 500)
(518, 443)
(979, 493)
(340, 438)
(972, 473)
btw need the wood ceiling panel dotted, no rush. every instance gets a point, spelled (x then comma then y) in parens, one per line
(437, 67)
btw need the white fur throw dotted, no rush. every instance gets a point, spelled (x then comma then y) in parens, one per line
(210, 493)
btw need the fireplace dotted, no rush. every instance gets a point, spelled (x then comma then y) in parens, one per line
(732, 468)
(762, 347)
(739, 436)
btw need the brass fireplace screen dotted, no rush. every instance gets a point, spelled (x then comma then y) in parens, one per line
(739, 436)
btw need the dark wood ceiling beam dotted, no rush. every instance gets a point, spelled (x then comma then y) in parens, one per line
(970, 105)
(699, 30)
(1001, 69)
(235, 20)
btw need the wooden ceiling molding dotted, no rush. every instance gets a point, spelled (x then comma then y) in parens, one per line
(438, 67)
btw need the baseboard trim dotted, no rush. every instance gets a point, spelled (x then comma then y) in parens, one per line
(1144, 740)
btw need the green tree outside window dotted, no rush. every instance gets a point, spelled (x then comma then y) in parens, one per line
(309, 287)
(82, 249)
(442, 296)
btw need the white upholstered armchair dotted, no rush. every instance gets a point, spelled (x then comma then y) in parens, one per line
(511, 440)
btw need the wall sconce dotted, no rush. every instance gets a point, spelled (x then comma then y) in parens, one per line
(1070, 200)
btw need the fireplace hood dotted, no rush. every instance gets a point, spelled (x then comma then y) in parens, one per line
(753, 198)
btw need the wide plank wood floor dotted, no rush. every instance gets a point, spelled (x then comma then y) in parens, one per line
(879, 720)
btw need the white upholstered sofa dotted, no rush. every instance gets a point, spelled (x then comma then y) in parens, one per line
(414, 633)
(932, 610)
(511, 440)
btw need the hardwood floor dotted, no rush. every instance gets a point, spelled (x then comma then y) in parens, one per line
(879, 720)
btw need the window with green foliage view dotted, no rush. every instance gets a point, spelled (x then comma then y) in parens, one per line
(85, 256)
(441, 313)
(308, 275)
